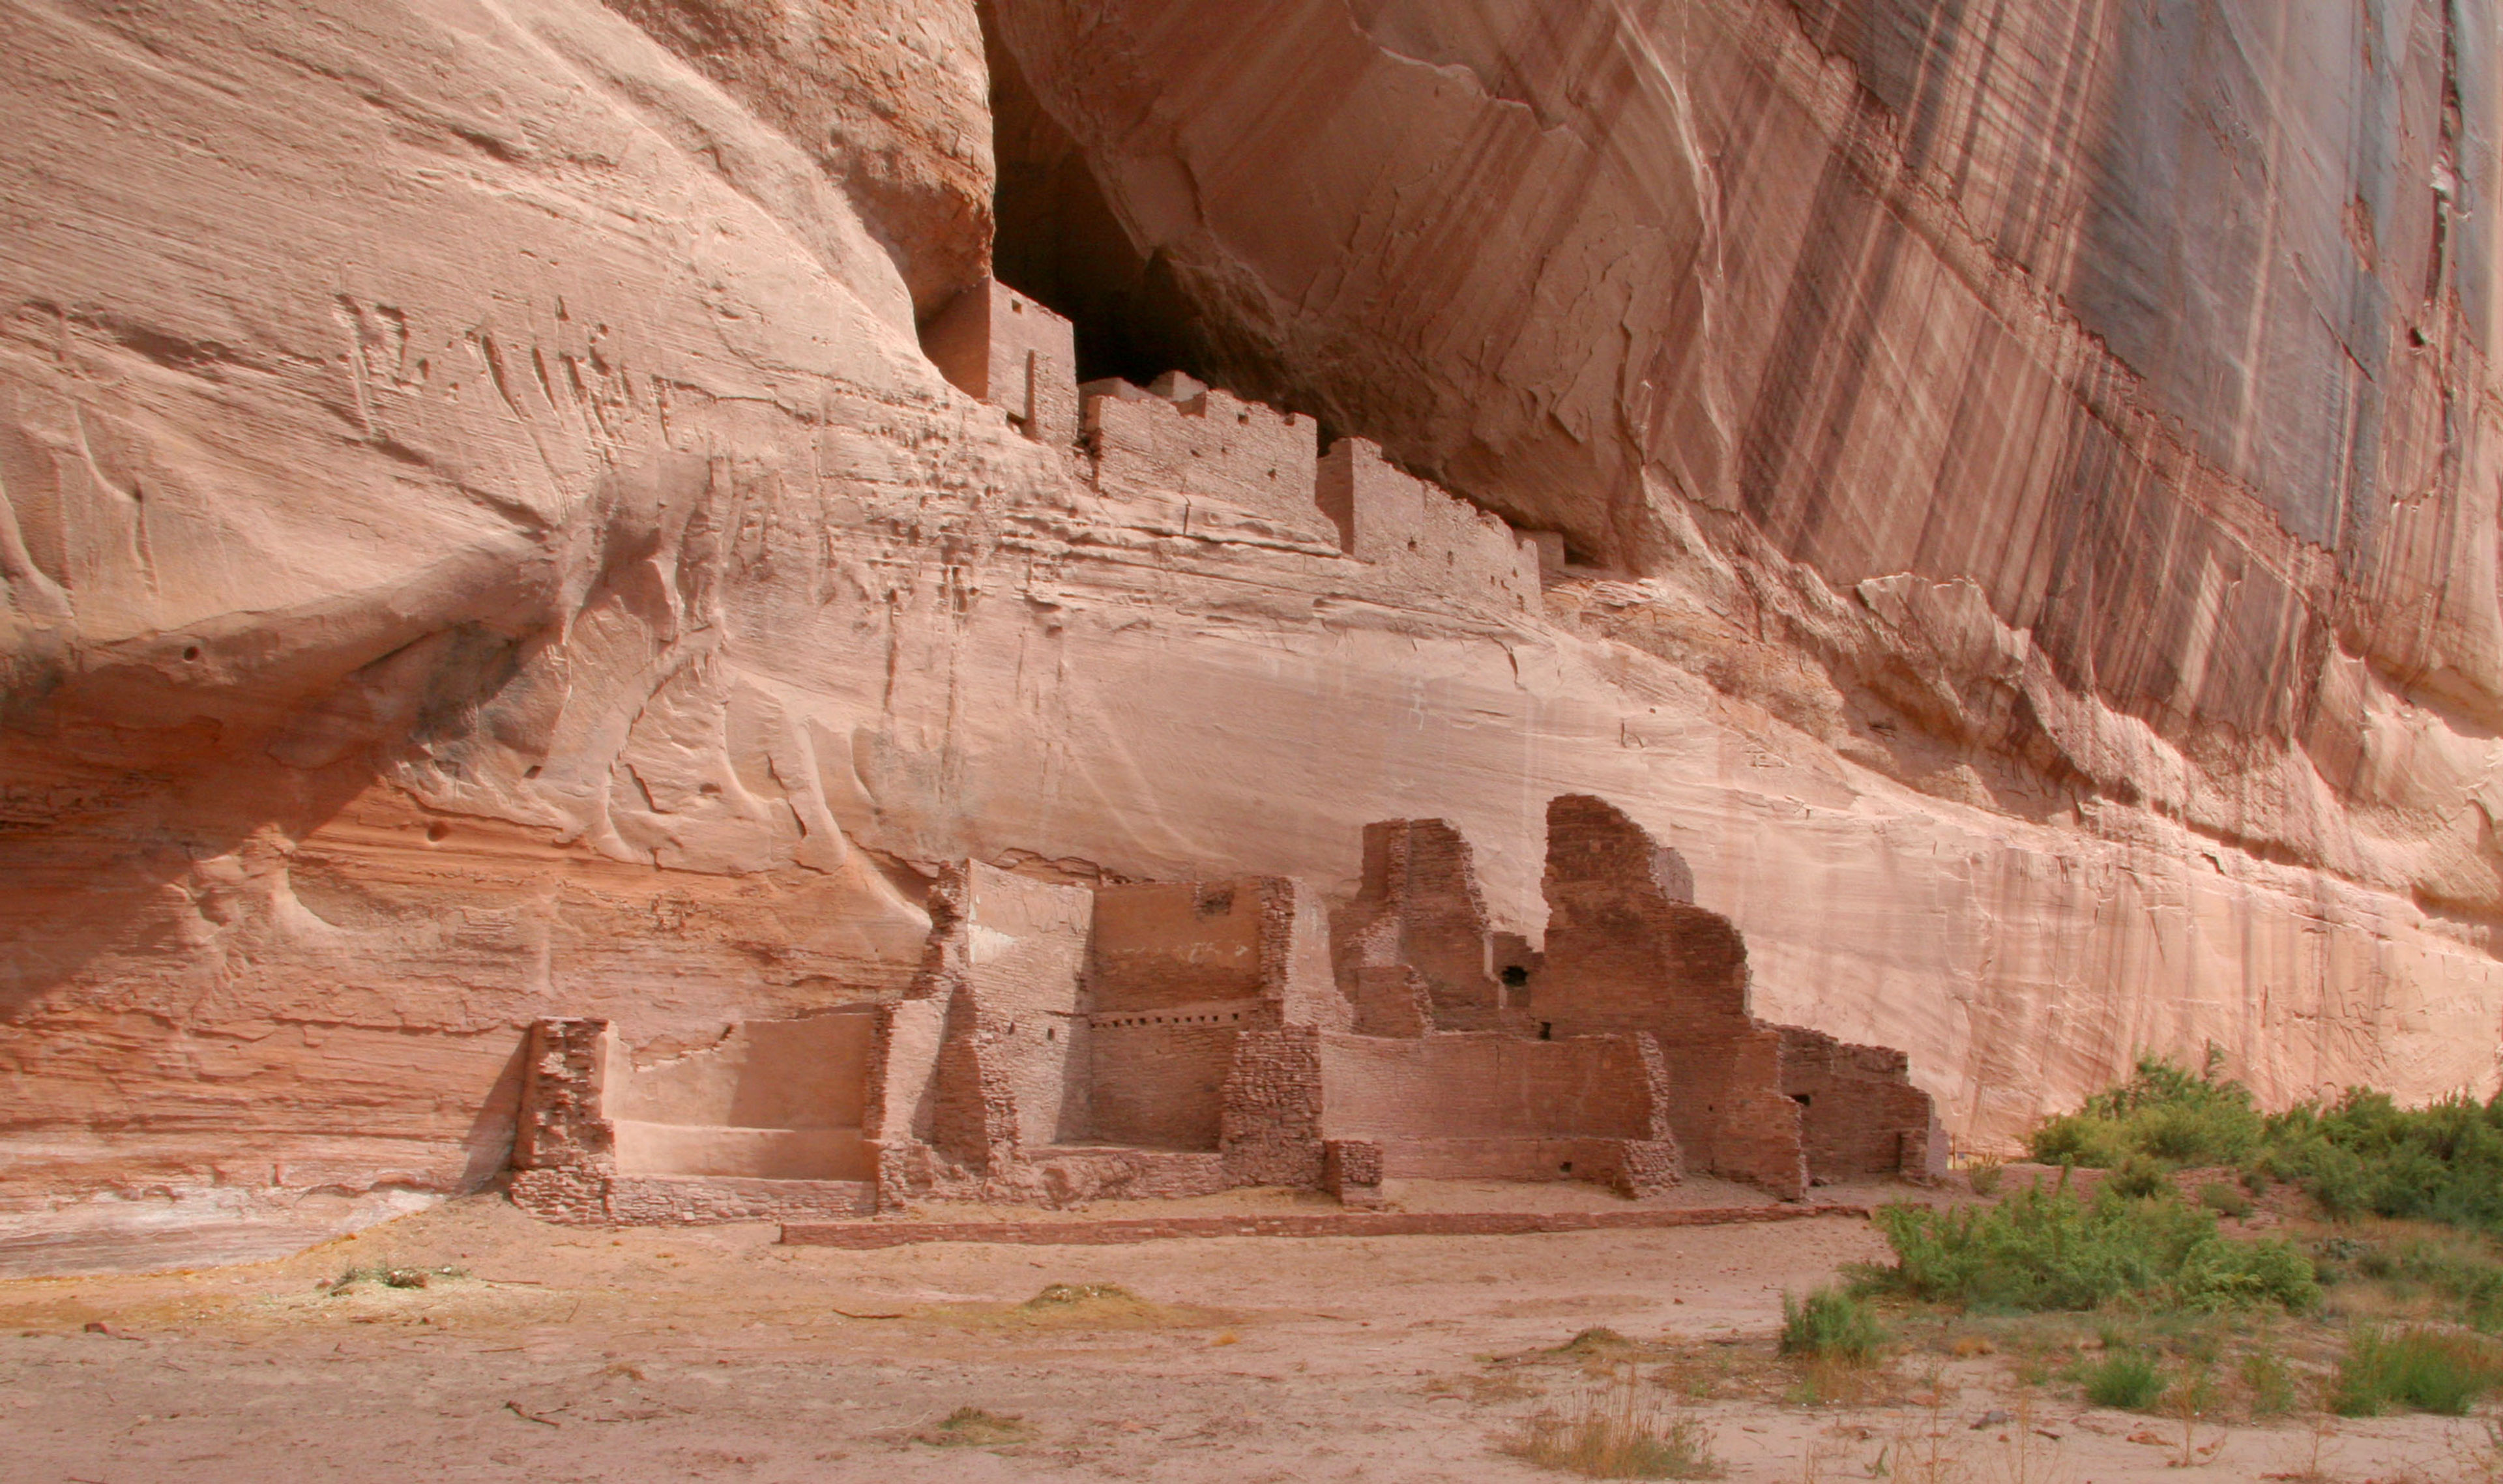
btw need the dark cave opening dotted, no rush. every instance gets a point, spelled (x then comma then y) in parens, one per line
(1059, 241)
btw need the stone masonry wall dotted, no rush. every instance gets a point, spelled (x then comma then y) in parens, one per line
(1009, 954)
(562, 1123)
(1624, 953)
(1419, 905)
(1860, 1115)
(996, 344)
(1272, 1132)
(1487, 1085)
(1400, 522)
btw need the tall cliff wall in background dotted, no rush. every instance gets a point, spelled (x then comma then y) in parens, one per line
(481, 538)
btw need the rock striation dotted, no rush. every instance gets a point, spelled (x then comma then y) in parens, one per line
(496, 529)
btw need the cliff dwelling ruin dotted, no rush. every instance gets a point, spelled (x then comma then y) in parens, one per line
(1067, 1042)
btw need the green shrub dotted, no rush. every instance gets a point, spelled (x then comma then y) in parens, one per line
(2364, 1153)
(2426, 1369)
(2138, 1178)
(2164, 1114)
(1985, 1178)
(2225, 1199)
(1829, 1325)
(2048, 1249)
(2126, 1380)
(2358, 1156)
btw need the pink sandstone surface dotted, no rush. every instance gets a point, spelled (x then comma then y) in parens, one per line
(2009, 492)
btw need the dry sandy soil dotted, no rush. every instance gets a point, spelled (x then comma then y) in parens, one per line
(715, 1354)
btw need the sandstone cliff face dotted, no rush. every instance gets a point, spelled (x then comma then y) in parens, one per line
(482, 541)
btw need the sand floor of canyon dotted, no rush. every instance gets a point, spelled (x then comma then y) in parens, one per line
(715, 1354)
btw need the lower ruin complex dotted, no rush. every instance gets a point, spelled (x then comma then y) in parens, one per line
(1065, 1042)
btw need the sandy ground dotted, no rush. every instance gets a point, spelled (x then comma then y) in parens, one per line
(715, 1354)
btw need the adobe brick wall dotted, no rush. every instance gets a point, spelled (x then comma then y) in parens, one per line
(1391, 1000)
(1159, 1077)
(900, 1104)
(1478, 1085)
(1779, 1106)
(761, 1074)
(1296, 975)
(1177, 972)
(1163, 945)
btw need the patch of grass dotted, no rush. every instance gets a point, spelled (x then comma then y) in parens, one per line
(2426, 1371)
(2268, 1384)
(2126, 1379)
(2414, 1269)
(1617, 1433)
(970, 1427)
(389, 1276)
(1599, 1342)
(1071, 1295)
(2045, 1249)
(1829, 1325)
(1984, 1177)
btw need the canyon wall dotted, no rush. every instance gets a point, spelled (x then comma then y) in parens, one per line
(482, 538)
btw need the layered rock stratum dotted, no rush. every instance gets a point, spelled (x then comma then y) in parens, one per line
(483, 540)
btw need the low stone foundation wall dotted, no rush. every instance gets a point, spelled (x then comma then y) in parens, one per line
(862, 1236)
(577, 1198)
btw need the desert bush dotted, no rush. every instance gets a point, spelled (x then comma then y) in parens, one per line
(2361, 1154)
(2365, 1154)
(2046, 1249)
(1618, 1432)
(2225, 1199)
(1829, 1325)
(2268, 1383)
(2140, 1177)
(1984, 1177)
(2430, 1370)
(2164, 1114)
(2124, 1379)
(2462, 1270)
